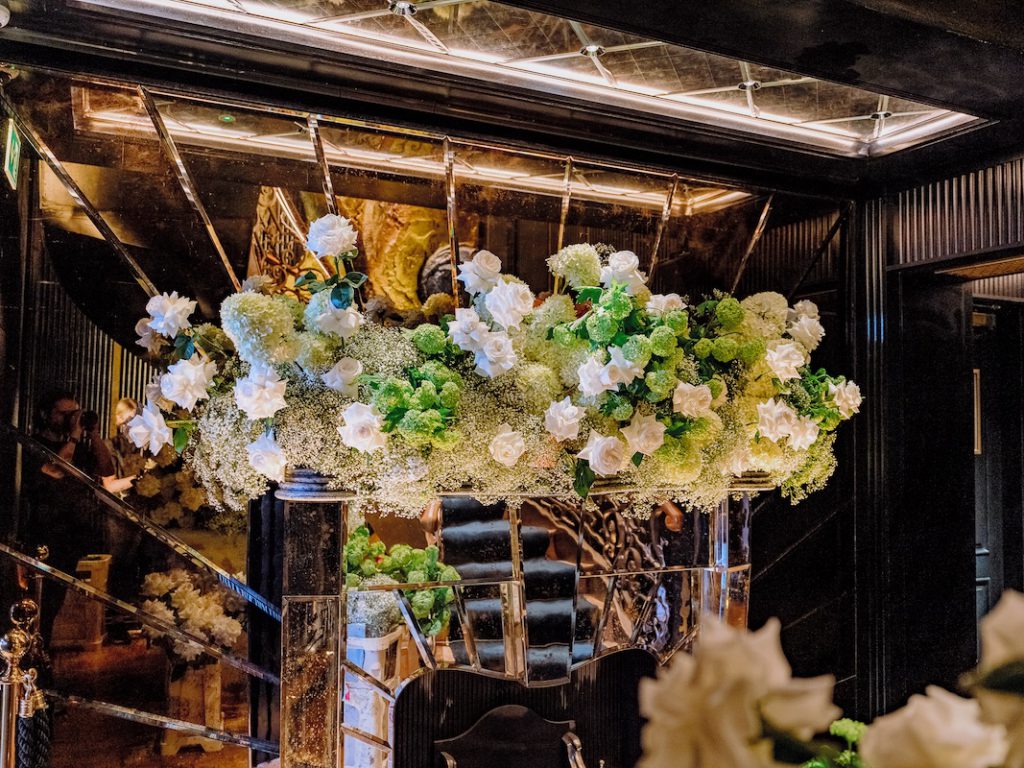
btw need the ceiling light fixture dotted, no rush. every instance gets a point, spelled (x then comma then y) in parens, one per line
(403, 8)
(592, 50)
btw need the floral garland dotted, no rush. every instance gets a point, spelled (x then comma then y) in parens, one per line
(600, 379)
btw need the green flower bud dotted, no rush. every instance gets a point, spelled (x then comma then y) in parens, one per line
(751, 351)
(678, 321)
(602, 327)
(703, 348)
(729, 312)
(663, 341)
(725, 349)
(429, 339)
(637, 349)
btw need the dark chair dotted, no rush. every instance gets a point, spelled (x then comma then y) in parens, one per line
(513, 735)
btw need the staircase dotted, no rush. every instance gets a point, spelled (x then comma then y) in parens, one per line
(475, 539)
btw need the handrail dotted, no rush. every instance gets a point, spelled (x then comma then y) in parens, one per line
(132, 515)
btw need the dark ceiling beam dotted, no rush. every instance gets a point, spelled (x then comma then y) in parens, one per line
(870, 45)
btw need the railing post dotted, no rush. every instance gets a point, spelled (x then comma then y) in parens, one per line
(13, 647)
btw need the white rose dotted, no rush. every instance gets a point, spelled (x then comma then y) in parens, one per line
(803, 308)
(808, 331)
(148, 339)
(267, 458)
(467, 331)
(622, 269)
(149, 429)
(775, 419)
(169, 313)
(692, 400)
(481, 274)
(606, 454)
(341, 322)
(592, 379)
(785, 359)
(342, 377)
(509, 302)
(645, 434)
(937, 730)
(186, 382)
(260, 394)
(562, 420)
(507, 446)
(847, 398)
(361, 428)
(618, 370)
(331, 235)
(659, 304)
(495, 356)
(802, 433)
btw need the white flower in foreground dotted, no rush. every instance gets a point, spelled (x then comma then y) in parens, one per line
(467, 331)
(847, 398)
(937, 730)
(342, 377)
(481, 274)
(645, 434)
(592, 378)
(785, 359)
(260, 394)
(803, 433)
(509, 302)
(341, 322)
(148, 429)
(692, 400)
(495, 356)
(659, 304)
(562, 419)
(507, 446)
(267, 458)
(186, 382)
(149, 339)
(361, 428)
(775, 419)
(579, 265)
(331, 235)
(623, 269)
(803, 308)
(706, 709)
(808, 331)
(169, 313)
(606, 454)
(618, 370)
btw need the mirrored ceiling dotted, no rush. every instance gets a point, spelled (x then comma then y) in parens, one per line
(558, 56)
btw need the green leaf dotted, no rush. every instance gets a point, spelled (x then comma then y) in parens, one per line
(584, 478)
(588, 294)
(1009, 678)
(181, 435)
(637, 458)
(184, 346)
(305, 279)
(341, 296)
(355, 279)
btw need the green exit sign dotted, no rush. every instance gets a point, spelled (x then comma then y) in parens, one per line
(12, 154)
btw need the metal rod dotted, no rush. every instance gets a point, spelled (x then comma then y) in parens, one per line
(518, 589)
(76, 193)
(466, 626)
(575, 588)
(666, 213)
(820, 251)
(366, 738)
(758, 231)
(382, 690)
(609, 600)
(187, 183)
(325, 170)
(566, 198)
(453, 215)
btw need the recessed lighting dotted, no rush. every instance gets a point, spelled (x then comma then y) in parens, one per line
(749, 85)
(592, 50)
(404, 8)
(227, 118)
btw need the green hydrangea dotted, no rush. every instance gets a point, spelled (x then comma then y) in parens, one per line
(617, 303)
(419, 426)
(439, 374)
(392, 394)
(425, 396)
(262, 328)
(663, 341)
(703, 348)
(316, 352)
(678, 321)
(637, 349)
(717, 387)
(563, 336)
(850, 730)
(449, 395)
(661, 383)
(725, 349)
(751, 351)
(429, 339)
(729, 312)
(602, 327)
(618, 407)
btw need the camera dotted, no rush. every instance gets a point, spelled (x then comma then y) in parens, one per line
(89, 421)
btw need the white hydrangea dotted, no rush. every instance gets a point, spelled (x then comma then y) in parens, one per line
(579, 265)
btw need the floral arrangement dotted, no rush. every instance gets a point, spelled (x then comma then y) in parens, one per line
(734, 702)
(196, 605)
(167, 490)
(515, 394)
(369, 562)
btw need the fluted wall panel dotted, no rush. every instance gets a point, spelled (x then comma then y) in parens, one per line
(1004, 287)
(785, 251)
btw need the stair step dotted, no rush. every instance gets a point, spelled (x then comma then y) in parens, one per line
(464, 509)
(489, 541)
(547, 621)
(544, 578)
(545, 662)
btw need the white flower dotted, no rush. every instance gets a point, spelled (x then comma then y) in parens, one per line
(507, 446)
(481, 274)
(579, 265)
(659, 304)
(331, 235)
(260, 394)
(937, 730)
(186, 382)
(341, 322)
(592, 379)
(495, 356)
(158, 583)
(808, 331)
(149, 429)
(784, 359)
(257, 284)
(622, 269)
(706, 709)
(509, 302)
(619, 370)
(562, 420)
(606, 454)
(148, 339)
(411, 470)
(267, 458)
(737, 462)
(467, 331)
(169, 313)
(802, 433)
(847, 398)
(361, 429)
(803, 308)
(342, 377)
(691, 400)
(775, 419)
(645, 434)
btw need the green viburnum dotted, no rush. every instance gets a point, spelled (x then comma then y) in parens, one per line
(725, 349)
(661, 384)
(602, 327)
(617, 303)
(425, 396)
(703, 348)
(429, 339)
(751, 351)
(729, 312)
(449, 395)
(678, 321)
(717, 387)
(618, 407)
(392, 394)
(421, 426)
(437, 373)
(563, 336)
(637, 349)
(663, 341)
